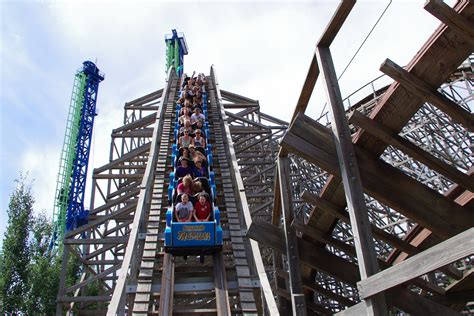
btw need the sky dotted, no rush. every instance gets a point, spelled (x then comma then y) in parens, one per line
(260, 49)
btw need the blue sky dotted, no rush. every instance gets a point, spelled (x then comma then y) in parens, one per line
(261, 49)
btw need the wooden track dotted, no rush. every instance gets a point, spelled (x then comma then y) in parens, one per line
(134, 274)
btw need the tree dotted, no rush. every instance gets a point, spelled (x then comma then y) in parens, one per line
(29, 273)
(43, 270)
(16, 254)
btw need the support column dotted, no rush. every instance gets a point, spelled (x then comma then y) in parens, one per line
(363, 240)
(296, 287)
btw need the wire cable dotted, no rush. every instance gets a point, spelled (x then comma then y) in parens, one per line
(360, 47)
(363, 42)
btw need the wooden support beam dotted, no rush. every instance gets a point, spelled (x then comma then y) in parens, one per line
(235, 117)
(98, 241)
(309, 284)
(460, 292)
(136, 133)
(93, 278)
(350, 250)
(144, 121)
(100, 220)
(296, 288)
(451, 18)
(236, 97)
(408, 301)
(328, 263)
(427, 93)
(315, 257)
(126, 157)
(276, 213)
(337, 20)
(327, 239)
(363, 240)
(146, 98)
(444, 253)
(83, 299)
(445, 218)
(308, 86)
(239, 105)
(142, 108)
(389, 137)
(119, 176)
(379, 233)
(143, 203)
(113, 202)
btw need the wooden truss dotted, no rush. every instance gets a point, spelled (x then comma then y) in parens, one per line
(411, 145)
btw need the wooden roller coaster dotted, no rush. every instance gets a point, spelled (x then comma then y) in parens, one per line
(366, 210)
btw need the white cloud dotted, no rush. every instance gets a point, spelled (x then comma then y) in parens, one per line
(42, 164)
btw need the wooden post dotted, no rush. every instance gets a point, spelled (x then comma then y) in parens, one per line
(366, 256)
(62, 280)
(296, 287)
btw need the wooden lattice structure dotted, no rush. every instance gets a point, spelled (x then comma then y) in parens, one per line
(393, 169)
(403, 154)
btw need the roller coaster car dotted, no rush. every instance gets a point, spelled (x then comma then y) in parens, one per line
(193, 238)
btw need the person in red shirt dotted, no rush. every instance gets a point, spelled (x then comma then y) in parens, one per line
(202, 210)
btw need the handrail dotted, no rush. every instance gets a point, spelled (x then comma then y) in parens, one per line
(143, 204)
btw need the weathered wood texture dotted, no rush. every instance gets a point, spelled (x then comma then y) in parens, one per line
(428, 94)
(391, 138)
(387, 184)
(364, 245)
(439, 57)
(449, 251)
(344, 271)
(296, 287)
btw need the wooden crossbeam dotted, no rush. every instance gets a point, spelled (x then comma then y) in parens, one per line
(307, 283)
(112, 202)
(239, 105)
(460, 292)
(255, 142)
(350, 250)
(451, 250)
(142, 122)
(126, 157)
(343, 270)
(427, 93)
(234, 97)
(98, 241)
(379, 233)
(235, 117)
(142, 108)
(389, 137)
(119, 176)
(146, 98)
(449, 17)
(93, 278)
(315, 257)
(102, 219)
(146, 132)
(312, 141)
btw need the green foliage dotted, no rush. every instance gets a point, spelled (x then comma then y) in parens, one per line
(43, 270)
(29, 273)
(16, 253)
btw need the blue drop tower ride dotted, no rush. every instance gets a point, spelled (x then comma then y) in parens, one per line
(69, 212)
